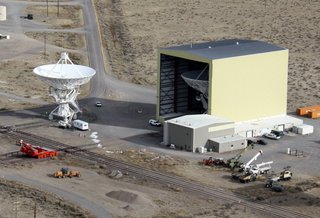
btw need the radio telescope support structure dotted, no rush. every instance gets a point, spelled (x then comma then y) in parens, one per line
(64, 79)
(68, 106)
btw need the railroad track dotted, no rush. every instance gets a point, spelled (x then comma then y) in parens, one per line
(10, 157)
(156, 176)
(25, 125)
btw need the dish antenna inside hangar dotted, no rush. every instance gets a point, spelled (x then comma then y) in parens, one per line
(64, 79)
(198, 81)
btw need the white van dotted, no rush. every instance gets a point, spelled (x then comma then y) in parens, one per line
(79, 124)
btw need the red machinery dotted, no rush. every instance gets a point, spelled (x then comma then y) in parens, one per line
(36, 151)
(213, 161)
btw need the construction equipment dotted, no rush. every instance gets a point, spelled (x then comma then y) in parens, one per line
(257, 169)
(261, 168)
(234, 161)
(274, 186)
(36, 151)
(213, 161)
(284, 175)
(247, 177)
(246, 167)
(65, 172)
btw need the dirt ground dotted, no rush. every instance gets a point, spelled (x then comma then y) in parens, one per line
(131, 196)
(132, 31)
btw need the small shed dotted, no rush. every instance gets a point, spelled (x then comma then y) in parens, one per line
(227, 143)
(3, 13)
(303, 129)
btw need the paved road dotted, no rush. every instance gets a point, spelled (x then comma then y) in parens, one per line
(103, 83)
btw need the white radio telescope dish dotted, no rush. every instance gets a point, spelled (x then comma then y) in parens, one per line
(64, 79)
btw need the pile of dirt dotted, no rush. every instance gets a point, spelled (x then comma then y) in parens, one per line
(123, 196)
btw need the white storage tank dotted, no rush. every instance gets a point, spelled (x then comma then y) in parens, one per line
(3, 13)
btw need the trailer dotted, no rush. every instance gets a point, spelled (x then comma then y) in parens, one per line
(80, 124)
(303, 129)
(261, 168)
(36, 151)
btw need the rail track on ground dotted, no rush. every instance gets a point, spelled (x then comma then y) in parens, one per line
(156, 176)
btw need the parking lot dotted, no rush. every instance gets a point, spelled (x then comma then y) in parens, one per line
(304, 166)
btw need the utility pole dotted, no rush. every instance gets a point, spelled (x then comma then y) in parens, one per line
(35, 210)
(47, 8)
(16, 204)
(45, 45)
(58, 8)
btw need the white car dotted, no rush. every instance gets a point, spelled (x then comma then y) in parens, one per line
(271, 136)
(98, 104)
(154, 122)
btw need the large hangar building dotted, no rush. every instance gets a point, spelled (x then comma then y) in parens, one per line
(244, 81)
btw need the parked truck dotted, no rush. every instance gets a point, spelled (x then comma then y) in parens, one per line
(261, 168)
(284, 175)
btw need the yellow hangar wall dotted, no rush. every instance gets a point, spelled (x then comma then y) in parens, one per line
(249, 87)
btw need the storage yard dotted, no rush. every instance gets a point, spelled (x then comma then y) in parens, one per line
(118, 167)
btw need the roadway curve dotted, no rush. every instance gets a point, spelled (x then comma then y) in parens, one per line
(102, 83)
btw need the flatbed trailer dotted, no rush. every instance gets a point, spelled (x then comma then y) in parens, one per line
(36, 151)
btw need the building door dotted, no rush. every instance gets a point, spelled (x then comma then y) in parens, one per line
(281, 127)
(249, 134)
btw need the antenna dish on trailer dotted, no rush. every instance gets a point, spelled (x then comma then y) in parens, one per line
(64, 79)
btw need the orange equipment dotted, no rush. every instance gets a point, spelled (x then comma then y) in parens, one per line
(314, 114)
(36, 151)
(213, 161)
(303, 111)
(65, 172)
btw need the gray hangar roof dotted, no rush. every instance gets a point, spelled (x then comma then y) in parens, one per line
(226, 48)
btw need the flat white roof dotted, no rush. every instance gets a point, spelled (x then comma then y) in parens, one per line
(228, 138)
(265, 123)
(198, 120)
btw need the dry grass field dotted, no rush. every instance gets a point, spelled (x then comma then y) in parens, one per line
(16, 68)
(132, 32)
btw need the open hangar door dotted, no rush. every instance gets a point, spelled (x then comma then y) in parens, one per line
(176, 96)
